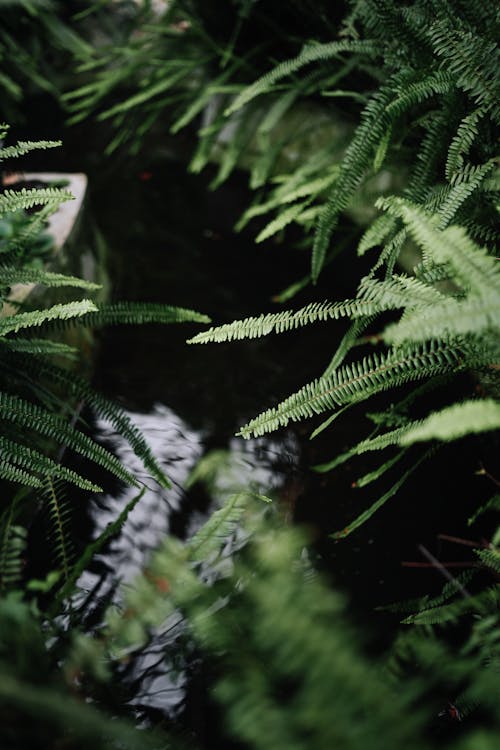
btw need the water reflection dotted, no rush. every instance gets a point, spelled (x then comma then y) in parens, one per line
(155, 679)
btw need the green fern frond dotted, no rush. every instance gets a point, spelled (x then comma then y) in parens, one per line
(461, 143)
(15, 200)
(283, 219)
(43, 347)
(464, 184)
(75, 386)
(12, 473)
(26, 275)
(310, 53)
(131, 313)
(286, 320)
(31, 460)
(24, 147)
(474, 60)
(372, 476)
(471, 263)
(45, 423)
(456, 421)
(219, 527)
(12, 546)
(66, 311)
(448, 319)
(368, 512)
(58, 509)
(437, 82)
(111, 530)
(358, 381)
(357, 160)
(490, 557)
(376, 233)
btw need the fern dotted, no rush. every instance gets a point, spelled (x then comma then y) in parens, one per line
(58, 509)
(286, 320)
(309, 54)
(25, 275)
(15, 200)
(56, 312)
(359, 380)
(43, 422)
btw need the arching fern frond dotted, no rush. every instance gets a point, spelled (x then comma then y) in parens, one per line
(11, 275)
(461, 143)
(15, 200)
(358, 381)
(45, 423)
(15, 323)
(75, 386)
(32, 461)
(311, 53)
(287, 320)
(131, 313)
(24, 147)
(58, 508)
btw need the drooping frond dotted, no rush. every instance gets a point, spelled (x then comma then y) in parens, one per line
(34, 462)
(356, 381)
(11, 275)
(374, 507)
(66, 311)
(45, 423)
(76, 386)
(311, 53)
(461, 143)
(130, 313)
(44, 347)
(287, 320)
(58, 510)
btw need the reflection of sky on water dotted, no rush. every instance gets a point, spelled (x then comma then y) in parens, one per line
(259, 465)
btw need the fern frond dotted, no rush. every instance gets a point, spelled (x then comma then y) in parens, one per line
(377, 232)
(356, 162)
(45, 423)
(111, 530)
(358, 381)
(15, 200)
(12, 473)
(287, 320)
(12, 545)
(58, 509)
(368, 512)
(490, 558)
(215, 532)
(15, 323)
(10, 275)
(283, 219)
(43, 347)
(24, 147)
(372, 476)
(474, 60)
(471, 263)
(311, 53)
(31, 460)
(437, 82)
(132, 313)
(76, 386)
(455, 422)
(462, 141)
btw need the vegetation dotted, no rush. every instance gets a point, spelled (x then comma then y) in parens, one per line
(367, 130)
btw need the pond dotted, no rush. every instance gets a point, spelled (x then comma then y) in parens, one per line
(170, 239)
